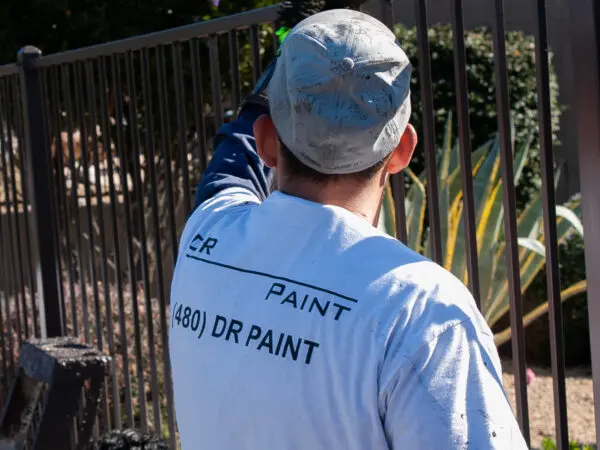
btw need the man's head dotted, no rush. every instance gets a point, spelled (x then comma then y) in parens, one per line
(340, 103)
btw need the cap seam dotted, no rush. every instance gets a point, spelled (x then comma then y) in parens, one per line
(349, 51)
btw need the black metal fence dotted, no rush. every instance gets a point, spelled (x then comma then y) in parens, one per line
(101, 149)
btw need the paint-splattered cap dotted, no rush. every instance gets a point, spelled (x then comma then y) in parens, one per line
(340, 91)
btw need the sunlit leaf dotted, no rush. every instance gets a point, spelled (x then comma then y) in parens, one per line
(571, 217)
(415, 220)
(533, 245)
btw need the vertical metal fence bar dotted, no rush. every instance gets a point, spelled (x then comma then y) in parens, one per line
(91, 69)
(151, 174)
(163, 105)
(50, 108)
(168, 175)
(80, 112)
(162, 297)
(26, 204)
(235, 68)
(14, 133)
(63, 199)
(388, 14)
(13, 176)
(255, 48)
(12, 285)
(106, 134)
(397, 180)
(87, 130)
(550, 231)
(7, 336)
(79, 167)
(464, 136)
(435, 236)
(510, 219)
(129, 73)
(198, 97)
(215, 76)
(122, 155)
(4, 385)
(101, 249)
(182, 126)
(5, 279)
(585, 42)
(40, 180)
(66, 84)
(399, 195)
(55, 198)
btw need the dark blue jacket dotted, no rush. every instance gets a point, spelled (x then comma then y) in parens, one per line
(235, 162)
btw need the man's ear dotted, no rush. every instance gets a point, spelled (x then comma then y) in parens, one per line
(402, 154)
(267, 140)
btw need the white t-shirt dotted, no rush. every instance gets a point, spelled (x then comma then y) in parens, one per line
(296, 325)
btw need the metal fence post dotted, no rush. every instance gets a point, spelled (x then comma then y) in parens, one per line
(39, 179)
(585, 29)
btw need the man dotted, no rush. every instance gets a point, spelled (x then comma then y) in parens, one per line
(295, 323)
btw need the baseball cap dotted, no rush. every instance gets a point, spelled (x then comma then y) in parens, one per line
(339, 95)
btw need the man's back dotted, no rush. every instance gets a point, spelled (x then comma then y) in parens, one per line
(295, 323)
(309, 329)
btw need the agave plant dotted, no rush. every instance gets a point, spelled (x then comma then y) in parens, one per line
(489, 215)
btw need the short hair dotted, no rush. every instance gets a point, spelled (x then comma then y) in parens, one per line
(128, 439)
(296, 168)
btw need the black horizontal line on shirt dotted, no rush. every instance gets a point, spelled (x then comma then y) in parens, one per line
(274, 277)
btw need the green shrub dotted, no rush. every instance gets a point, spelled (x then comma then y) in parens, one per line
(549, 444)
(482, 91)
(575, 312)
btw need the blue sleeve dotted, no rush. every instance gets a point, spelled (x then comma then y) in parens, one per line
(235, 162)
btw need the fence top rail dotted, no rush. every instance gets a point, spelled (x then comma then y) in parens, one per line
(8, 69)
(207, 28)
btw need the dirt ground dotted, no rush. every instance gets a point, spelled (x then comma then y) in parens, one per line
(580, 404)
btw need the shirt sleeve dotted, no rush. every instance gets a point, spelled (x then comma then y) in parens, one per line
(235, 163)
(449, 395)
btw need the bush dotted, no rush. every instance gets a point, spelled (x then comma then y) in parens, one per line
(575, 311)
(482, 91)
(549, 444)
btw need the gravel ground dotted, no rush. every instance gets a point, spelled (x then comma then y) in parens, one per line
(580, 404)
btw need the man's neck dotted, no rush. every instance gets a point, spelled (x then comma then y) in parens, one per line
(363, 201)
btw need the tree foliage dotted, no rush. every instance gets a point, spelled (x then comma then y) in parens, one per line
(59, 25)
